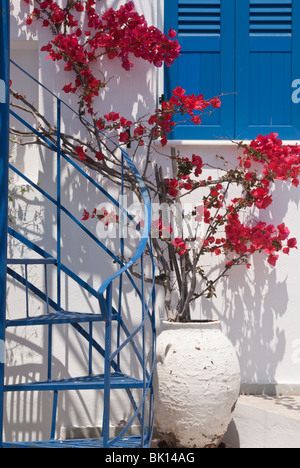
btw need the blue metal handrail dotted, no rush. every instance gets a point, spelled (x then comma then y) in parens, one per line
(104, 294)
(4, 135)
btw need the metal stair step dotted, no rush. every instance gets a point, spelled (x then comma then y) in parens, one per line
(31, 261)
(125, 442)
(94, 382)
(57, 318)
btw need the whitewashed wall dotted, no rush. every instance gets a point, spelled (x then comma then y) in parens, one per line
(259, 309)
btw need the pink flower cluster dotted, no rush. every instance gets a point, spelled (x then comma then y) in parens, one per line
(183, 180)
(181, 103)
(280, 162)
(265, 238)
(81, 38)
(118, 33)
(180, 246)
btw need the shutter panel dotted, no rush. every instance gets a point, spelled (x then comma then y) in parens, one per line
(267, 62)
(206, 65)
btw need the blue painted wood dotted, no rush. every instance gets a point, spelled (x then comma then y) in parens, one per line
(206, 65)
(4, 135)
(249, 47)
(267, 62)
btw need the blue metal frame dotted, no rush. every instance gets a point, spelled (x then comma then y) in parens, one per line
(4, 134)
(110, 292)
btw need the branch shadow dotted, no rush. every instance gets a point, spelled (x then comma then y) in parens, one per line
(92, 265)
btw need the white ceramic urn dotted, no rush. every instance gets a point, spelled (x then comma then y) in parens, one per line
(196, 382)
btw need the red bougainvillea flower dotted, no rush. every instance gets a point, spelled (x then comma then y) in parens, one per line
(179, 92)
(292, 243)
(86, 215)
(172, 33)
(198, 163)
(196, 119)
(100, 156)
(272, 260)
(216, 103)
(123, 137)
(112, 117)
(81, 38)
(180, 246)
(284, 232)
(68, 88)
(81, 152)
(173, 187)
(117, 33)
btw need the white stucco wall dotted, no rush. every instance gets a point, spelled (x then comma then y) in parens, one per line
(258, 308)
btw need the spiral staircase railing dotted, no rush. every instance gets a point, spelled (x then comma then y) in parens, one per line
(114, 318)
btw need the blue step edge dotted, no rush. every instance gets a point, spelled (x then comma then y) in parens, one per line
(126, 442)
(93, 382)
(58, 318)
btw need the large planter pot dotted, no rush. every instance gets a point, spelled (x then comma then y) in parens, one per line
(197, 384)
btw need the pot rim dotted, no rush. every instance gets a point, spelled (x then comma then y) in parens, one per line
(194, 325)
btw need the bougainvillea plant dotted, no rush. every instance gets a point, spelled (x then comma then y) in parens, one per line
(84, 37)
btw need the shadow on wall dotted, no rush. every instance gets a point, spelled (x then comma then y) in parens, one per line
(249, 311)
(27, 348)
(257, 307)
(252, 304)
(255, 310)
(28, 416)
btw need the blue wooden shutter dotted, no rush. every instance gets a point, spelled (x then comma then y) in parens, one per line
(206, 66)
(267, 62)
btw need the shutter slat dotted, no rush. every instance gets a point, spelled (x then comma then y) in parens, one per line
(271, 26)
(199, 17)
(271, 10)
(271, 2)
(196, 27)
(199, 10)
(274, 18)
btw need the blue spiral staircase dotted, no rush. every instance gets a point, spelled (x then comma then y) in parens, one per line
(121, 338)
